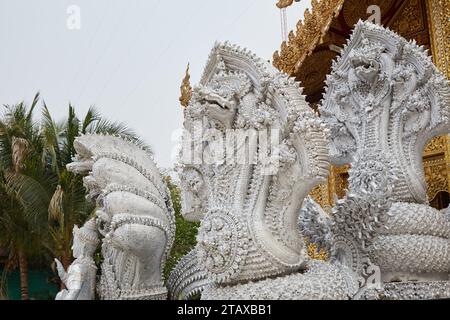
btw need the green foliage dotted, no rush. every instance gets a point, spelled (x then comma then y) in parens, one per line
(41, 200)
(25, 186)
(186, 232)
(69, 206)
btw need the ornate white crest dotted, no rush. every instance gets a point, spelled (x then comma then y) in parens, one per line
(315, 224)
(384, 101)
(250, 228)
(385, 93)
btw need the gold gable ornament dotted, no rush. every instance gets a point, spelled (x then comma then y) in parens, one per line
(186, 89)
(308, 53)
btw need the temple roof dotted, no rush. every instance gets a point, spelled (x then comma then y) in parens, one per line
(308, 35)
(326, 27)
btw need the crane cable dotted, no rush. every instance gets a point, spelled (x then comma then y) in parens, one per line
(284, 28)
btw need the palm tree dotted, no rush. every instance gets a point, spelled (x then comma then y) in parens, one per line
(25, 189)
(40, 200)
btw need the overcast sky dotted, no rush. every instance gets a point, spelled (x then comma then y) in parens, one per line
(128, 57)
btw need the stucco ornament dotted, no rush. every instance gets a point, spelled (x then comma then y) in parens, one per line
(194, 193)
(248, 242)
(80, 277)
(134, 215)
(188, 279)
(384, 101)
(315, 224)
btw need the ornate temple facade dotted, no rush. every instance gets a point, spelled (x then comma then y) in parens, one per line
(372, 99)
(319, 39)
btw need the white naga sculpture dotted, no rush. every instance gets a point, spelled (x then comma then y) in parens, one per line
(252, 151)
(384, 101)
(248, 243)
(80, 277)
(134, 215)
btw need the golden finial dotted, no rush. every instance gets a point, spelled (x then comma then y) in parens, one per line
(284, 3)
(186, 89)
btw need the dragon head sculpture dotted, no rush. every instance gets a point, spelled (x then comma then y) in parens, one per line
(258, 149)
(385, 93)
(384, 101)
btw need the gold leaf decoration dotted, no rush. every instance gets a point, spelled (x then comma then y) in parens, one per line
(309, 33)
(186, 89)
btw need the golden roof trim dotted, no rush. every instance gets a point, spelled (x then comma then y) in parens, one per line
(186, 89)
(439, 28)
(308, 35)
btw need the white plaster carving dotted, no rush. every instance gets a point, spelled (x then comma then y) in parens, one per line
(250, 229)
(421, 290)
(187, 279)
(384, 101)
(321, 281)
(315, 224)
(193, 194)
(80, 277)
(134, 215)
(189, 276)
(385, 93)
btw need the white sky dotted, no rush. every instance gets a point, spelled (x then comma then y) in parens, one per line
(129, 56)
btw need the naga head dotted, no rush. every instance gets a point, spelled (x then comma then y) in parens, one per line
(220, 97)
(366, 61)
(272, 150)
(384, 92)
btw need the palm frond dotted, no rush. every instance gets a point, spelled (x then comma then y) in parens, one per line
(32, 196)
(55, 208)
(20, 149)
(104, 126)
(33, 105)
(92, 116)
(72, 131)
